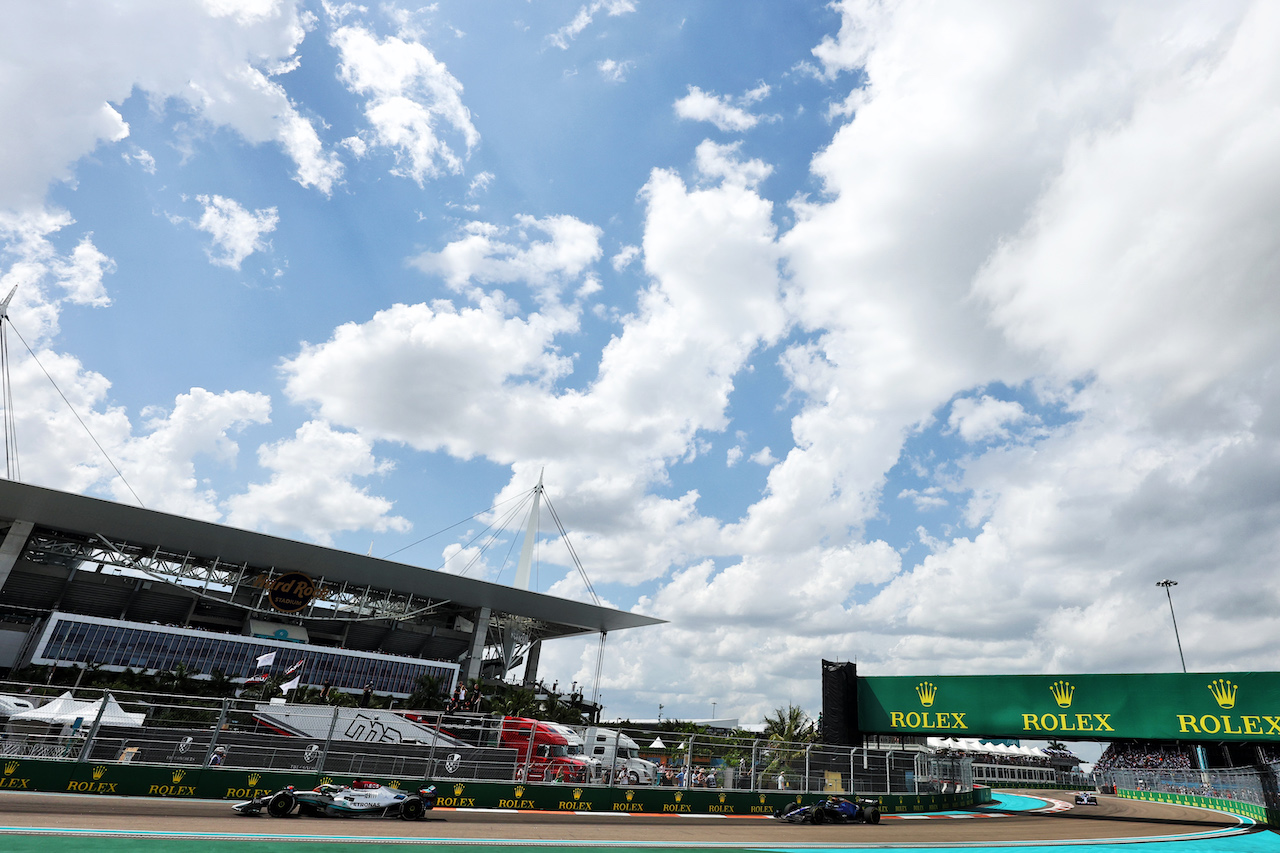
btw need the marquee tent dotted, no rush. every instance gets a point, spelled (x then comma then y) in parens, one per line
(66, 709)
(61, 710)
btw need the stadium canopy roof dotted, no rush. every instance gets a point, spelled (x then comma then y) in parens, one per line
(93, 519)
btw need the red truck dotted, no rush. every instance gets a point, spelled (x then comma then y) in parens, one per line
(545, 754)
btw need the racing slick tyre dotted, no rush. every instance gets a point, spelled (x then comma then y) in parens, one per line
(412, 809)
(873, 816)
(817, 816)
(281, 805)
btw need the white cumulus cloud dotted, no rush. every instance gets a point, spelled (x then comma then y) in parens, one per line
(984, 418)
(221, 60)
(237, 233)
(410, 96)
(312, 486)
(726, 112)
(484, 255)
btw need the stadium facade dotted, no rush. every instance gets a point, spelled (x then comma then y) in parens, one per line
(85, 581)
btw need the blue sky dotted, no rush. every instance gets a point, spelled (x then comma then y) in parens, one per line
(926, 337)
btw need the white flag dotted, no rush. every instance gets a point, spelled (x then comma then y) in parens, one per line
(267, 659)
(291, 685)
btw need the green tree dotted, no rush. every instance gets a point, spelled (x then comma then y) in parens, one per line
(220, 685)
(789, 725)
(177, 680)
(787, 730)
(428, 694)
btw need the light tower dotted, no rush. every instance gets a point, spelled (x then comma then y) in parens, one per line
(1166, 583)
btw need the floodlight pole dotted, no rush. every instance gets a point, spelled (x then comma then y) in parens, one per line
(1166, 583)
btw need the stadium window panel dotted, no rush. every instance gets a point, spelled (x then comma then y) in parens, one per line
(103, 646)
(105, 643)
(115, 645)
(218, 658)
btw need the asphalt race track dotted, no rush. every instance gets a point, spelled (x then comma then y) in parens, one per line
(51, 823)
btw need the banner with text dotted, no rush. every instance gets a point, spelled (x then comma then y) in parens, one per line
(1238, 706)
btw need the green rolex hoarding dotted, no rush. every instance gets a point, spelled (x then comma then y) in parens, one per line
(1237, 706)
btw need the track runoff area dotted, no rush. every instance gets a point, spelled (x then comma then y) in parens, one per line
(1030, 821)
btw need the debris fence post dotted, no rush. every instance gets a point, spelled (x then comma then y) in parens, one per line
(93, 730)
(217, 730)
(328, 739)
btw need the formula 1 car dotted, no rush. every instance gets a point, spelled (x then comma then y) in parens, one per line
(1086, 798)
(359, 799)
(831, 810)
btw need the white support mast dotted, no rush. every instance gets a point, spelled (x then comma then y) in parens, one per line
(11, 469)
(524, 567)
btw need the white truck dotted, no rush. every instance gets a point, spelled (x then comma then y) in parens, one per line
(615, 750)
(576, 747)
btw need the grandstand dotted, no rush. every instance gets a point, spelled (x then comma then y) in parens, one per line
(86, 581)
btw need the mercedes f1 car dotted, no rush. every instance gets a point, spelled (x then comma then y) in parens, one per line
(359, 799)
(1086, 798)
(831, 810)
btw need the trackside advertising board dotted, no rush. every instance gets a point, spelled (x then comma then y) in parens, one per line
(1218, 706)
(133, 780)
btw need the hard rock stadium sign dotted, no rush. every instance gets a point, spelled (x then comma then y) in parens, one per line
(1238, 706)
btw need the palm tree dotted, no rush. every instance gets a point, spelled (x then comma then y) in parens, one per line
(515, 702)
(786, 730)
(428, 694)
(220, 684)
(788, 725)
(177, 680)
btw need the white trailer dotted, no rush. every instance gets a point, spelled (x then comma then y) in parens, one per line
(619, 752)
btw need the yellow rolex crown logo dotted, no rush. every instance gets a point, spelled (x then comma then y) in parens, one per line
(254, 778)
(722, 798)
(762, 799)
(394, 783)
(178, 775)
(328, 780)
(457, 789)
(630, 795)
(577, 793)
(1223, 691)
(98, 771)
(1062, 692)
(679, 796)
(10, 768)
(519, 790)
(926, 691)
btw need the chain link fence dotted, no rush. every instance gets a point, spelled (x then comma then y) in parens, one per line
(201, 732)
(1254, 785)
(353, 741)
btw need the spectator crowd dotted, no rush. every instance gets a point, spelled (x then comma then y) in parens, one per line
(1139, 757)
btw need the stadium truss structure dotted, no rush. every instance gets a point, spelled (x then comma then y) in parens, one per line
(72, 554)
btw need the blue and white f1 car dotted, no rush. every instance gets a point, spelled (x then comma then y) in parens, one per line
(359, 799)
(831, 810)
(1086, 798)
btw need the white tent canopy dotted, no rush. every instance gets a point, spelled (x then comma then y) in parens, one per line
(970, 744)
(65, 709)
(113, 714)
